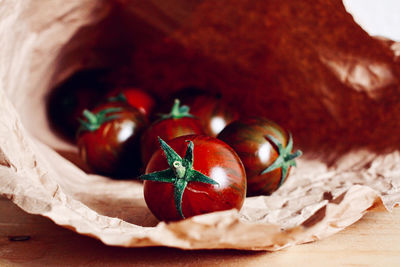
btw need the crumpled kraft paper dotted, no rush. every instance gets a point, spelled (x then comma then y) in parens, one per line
(304, 64)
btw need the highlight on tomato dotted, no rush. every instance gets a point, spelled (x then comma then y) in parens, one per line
(210, 108)
(265, 149)
(193, 175)
(109, 139)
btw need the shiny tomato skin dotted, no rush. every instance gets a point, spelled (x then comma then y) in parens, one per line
(213, 158)
(137, 98)
(167, 129)
(248, 138)
(213, 112)
(114, 148)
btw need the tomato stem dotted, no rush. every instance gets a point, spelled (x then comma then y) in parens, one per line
(296, 154)
(285, 158)
(93, 121)
(118, 98)
(178, 169)
(180, 173)
(177, 112)
(92, 118)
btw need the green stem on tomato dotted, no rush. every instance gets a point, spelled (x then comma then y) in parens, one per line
(285, 158)
(91, 118)
(118, 98)
(177, 111)
(179, 173)
(93, 121)
(178, 169)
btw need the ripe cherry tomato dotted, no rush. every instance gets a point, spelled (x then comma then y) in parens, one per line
(213, 112)
(108, 139)
(265, 150)
(135, 97)
(192, 175)
(177, 123)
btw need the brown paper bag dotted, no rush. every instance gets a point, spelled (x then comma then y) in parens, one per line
(304, 64)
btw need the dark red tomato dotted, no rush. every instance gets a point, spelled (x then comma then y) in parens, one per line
(135, 97)
(213, 112)
(177, 123)
(83, 90)
(265, 150)
(109, 137)
(193, 175)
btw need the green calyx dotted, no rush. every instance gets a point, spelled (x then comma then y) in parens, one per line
(177, 111)
(118, 98)
(93, 121)
(285, 158)
(179, 173)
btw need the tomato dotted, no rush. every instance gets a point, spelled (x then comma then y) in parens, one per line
(177, 123)
(83, 90)
(265, 150)
(192, 175)
(135, 97)
(108, 139)
(213, 112)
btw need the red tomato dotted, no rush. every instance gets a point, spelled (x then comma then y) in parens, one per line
(194, 174)
(213, 112)
(135, 97)
(109, 137)
(265, 150)
(179, 122)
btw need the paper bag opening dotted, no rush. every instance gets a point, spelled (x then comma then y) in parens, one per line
(306, 65)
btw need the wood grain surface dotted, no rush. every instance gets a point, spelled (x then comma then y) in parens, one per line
(373, 241)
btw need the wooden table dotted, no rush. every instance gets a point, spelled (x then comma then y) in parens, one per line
(373, 241)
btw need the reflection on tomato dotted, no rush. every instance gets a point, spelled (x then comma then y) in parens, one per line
(177, 123)
(213, 112)
(193, 175)
(109, 138)
(265, 150)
